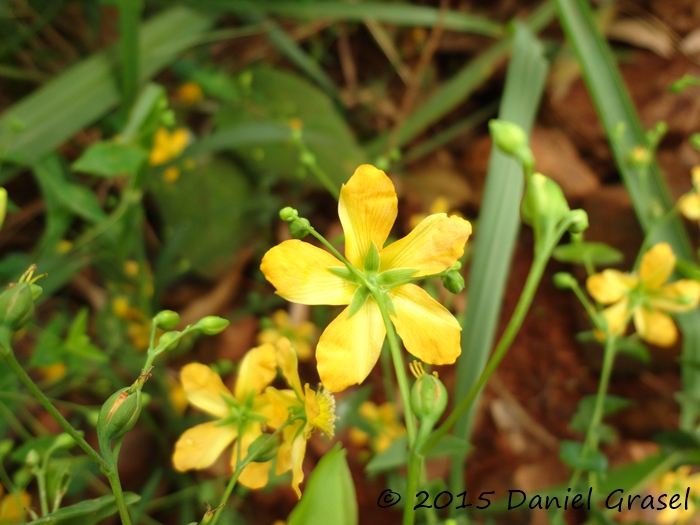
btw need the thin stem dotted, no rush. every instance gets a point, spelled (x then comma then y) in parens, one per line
(415, 468)
(386, 376)
(113, 477)
(41, 482)
(17, 369)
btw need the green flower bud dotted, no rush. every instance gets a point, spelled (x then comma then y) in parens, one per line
(64, 440)
(453, 281)
(36, 291)
(119, 414)
(166, 319)
(512, 140)
(428, 399)
(544, 204)
(166, 340)
(579, 221)
(17, 306)
(211, 325)
(564, 281)
(5, 447)
(264, 451)
(32, 459)
(300, 228)
(288, 214)
(307, 158)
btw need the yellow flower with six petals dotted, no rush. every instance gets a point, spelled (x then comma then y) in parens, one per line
(350, 346)
(318, 409)
(240, 414)
(645, 297)
(689, 204)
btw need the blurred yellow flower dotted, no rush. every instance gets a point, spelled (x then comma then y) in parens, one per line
(12, 507)
(300, 335)
(167, 146)
(189, 93)
(240, 415)
(689, 204)
(64, 246)
(384, 422)
(349, 347)
(645, 297)
(176, 395)
(139, 326)
(439, 205)
(677, 483)
(53, 373)
(318, 408)
(131, 268)
(171, 174)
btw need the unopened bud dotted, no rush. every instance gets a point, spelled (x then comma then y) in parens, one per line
(544, 204)
(17, 306)
(64, 441)
(288, 214)
(166, 340)
(579, 221)
(211, 325)
(119, 414)
(512, 140)
(564, 281)
(453, 281)
(300, 228)
(264, 448)
(166, 319)
(32, 459)
(428, 399)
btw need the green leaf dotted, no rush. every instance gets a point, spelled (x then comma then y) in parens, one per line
(86, 512)
(676, 440)
(206, 211)
(584, 414)
(329, 496)
(258, 127)
(597, 253)
(571, 453)
(111, 159)
(649, 194)
(44, 120)
(396, 455)
(634, 348)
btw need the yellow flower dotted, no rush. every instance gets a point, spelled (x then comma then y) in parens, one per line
(12, 507)
(439, 205)
(645, 296)
(189, 93)
(349, 347)
(171, 174)
(246, 408)
(300, 335)
(54, 372)
(167, 146)
(176, 395)
(318, 409)
(689, 204)
(385, 424)
(677, 483)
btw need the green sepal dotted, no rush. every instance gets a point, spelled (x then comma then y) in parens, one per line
(390, 305)
(372, 260)
(396, 277)
(344, 273)
(359, 299)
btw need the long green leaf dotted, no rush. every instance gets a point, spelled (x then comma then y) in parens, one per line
(499, 221)
(44, 120)
(399, 14)
(651, 200)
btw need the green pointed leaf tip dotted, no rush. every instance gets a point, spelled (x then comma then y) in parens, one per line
(329, 496)
(359, 298)
(597, 253)
(611, 405)
(372, 260)
(111, 159)
(396, 276)
(571, 453)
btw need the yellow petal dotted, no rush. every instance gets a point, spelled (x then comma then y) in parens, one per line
(298, 452)
(689, 205)
(681, 296)
(695, 175)
(655, 327)
(367, 208)
(257, 370)
(432, 247)
(12, 508)
(204, 389)
(311, 406)
(254, 475)
(288, 363)
(284, 453)
(615, 316)
(199, 446)
(428, 330)
(609, 286)
(349, 347)
(657, 265)
(281, 401)
(299, 272)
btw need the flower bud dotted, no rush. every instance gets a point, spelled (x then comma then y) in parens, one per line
(453, 281)
(211, 325)
(564, 281)
(263, 450)
(32, 459)
(579, 221)
(300, 228)
(17, 305)
(544, 204)
(64, 440)
(166, 340)
(119, 414)
(288, 214)
(428, 399)
(166, 319)
(512, 140)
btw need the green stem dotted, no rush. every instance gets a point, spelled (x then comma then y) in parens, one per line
(41, 483)
(17, 369)
(114, 482)
(415, 468)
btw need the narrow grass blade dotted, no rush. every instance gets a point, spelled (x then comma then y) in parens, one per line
(400, 13)
(459, 87)
(129, 26)
(651, 200)
(44, 120)
(499, 221)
